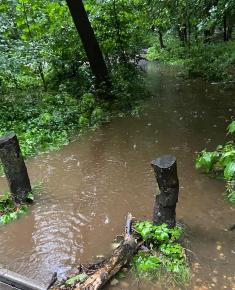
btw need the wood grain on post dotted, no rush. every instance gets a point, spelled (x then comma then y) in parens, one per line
(165, 169)
(14, 167)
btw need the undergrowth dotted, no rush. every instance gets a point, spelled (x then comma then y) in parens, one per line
(212, 61)
(45, 121)
(221, 162)
(9, 210)
(162, 257)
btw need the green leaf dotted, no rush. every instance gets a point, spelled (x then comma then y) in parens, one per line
(80, 277)
(229, 171)
(231, 128)
(206, 160)
(30, 196)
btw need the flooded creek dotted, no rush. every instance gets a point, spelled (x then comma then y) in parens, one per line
(91, 184)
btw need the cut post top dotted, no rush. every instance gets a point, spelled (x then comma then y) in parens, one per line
(6, 138)
(165, 161)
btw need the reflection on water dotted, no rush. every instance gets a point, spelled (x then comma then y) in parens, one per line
(90, 185)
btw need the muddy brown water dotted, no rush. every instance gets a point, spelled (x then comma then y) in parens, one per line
(91, 184)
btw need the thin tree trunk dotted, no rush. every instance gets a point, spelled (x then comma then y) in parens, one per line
(160, 37)
(225, 28)
(230, 27)
(41, 72)
(90, 43)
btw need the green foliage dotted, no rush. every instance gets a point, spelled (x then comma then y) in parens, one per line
(80, 277)
(40, 49)
(143, 262)
(206, 160)
(128, 87)
(127, 26)
(159, 234)
(212, 61)
(9, 211)
(222, 160)
(173, 54)
(192, 34)
(45, 122)
(231, 128)
(162, 255)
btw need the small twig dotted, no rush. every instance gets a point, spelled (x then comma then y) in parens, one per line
(128, 228)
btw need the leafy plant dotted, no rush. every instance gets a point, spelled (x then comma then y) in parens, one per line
(221, 162)
(145, 263)
(159, 234)
(9, 211)
(162, 255)
(80, 277)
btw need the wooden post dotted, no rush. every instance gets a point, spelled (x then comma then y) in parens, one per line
(14, 167)
(165, 169)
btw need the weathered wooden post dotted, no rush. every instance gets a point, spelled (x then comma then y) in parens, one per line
(14, 167)
(165, 169)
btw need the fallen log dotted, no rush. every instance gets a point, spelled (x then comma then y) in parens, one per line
(111, 266)
(120, 257)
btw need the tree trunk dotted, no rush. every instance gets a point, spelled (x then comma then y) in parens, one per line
(225, 28)
(41, 72)
(182, 32)
(165, 169)
(160, 37)
(14, 167)
(90, 43)
(230, 27)
(229, 32)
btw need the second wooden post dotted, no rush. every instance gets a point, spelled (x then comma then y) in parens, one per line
(165, 169)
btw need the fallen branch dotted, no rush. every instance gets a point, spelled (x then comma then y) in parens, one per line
(120, 257)
(99, 274)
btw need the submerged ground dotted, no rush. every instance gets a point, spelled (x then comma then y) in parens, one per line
(91, 184)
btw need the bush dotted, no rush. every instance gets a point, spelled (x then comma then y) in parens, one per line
(221, 162)
(212, 61)
(162, 255)
(46, 121)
